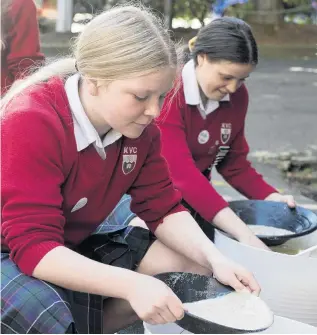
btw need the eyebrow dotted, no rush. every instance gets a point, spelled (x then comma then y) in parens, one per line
(229, 75)
(145, 92)
(137, 89)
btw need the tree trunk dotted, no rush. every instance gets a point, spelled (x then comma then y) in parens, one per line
(168, 8)
(268, 18)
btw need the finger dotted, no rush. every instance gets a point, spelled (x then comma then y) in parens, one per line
(291, 202)
(176, 308)
(250, 282)
(157, 318)
(167, 315)
(236, 284)
(256, 293)
(150, 321)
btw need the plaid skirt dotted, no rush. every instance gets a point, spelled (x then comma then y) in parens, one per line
(33, 306)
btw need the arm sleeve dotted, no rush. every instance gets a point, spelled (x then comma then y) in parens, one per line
(153, 194)
(24, 47)
(237, 170)
(32, 218)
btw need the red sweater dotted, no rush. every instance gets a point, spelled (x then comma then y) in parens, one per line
(44, 177)
(22, 45)
(192, 144)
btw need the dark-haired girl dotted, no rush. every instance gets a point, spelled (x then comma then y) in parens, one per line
(204, 127)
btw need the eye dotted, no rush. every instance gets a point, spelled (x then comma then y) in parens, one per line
(140, 98)
(161, 99)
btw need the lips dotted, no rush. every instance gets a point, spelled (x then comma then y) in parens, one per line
(141, 125)
(224, 93)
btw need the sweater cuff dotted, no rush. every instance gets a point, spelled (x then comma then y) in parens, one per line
(262, 192)
(216, 205)
(179, 208)
(33, 255)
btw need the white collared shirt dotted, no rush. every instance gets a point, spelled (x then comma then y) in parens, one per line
(192, 94)
(85, 133)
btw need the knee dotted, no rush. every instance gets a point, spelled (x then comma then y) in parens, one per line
(183, 264)
(192, 267)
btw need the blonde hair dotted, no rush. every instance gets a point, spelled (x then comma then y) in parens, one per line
(123, 42)
(191, 43)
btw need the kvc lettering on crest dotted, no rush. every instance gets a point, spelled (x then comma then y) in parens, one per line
(129, 159)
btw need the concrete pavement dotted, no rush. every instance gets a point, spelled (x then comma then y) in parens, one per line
(283, 105)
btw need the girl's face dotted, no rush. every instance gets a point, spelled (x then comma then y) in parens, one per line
(129, 105)
(217, 79)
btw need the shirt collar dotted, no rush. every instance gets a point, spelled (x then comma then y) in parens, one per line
(85, 133)
(191, 90)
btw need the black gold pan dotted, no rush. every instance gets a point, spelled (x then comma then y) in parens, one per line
(300, 221)
(193, 287)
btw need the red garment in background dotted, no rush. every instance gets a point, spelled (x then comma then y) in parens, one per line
(21, 48)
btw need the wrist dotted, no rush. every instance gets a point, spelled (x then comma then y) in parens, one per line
(272, 196)
(247, 237)
(214, 257)
(125, 283)
(242, 232)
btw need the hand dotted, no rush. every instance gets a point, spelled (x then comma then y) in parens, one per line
(154, 302)
(289, 199)
(235, 275)
(254, 241)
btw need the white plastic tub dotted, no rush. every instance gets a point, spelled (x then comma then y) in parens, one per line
(288, 282)
(281, 326)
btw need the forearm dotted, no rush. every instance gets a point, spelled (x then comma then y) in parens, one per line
(181, 233)
(229, 222)
(68, 269)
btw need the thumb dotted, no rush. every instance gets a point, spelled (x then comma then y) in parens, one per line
(291, 202)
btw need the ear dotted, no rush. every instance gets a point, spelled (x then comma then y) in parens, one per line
(92, 87)
(201, 59)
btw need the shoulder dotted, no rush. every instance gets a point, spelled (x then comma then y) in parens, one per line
(25, 6)
(174, 104)
(41, 109)
(21, 10)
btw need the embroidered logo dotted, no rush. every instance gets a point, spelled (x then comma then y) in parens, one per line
(80, 204)
(129, 159)
(203, 137)
(225, 132)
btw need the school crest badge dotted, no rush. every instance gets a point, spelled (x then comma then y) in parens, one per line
(225, 132)
(129, 159)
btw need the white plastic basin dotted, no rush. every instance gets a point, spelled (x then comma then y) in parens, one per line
(280, 326)
(288, 282)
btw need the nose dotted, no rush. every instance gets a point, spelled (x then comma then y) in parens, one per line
(153, 110)
(233, 86)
